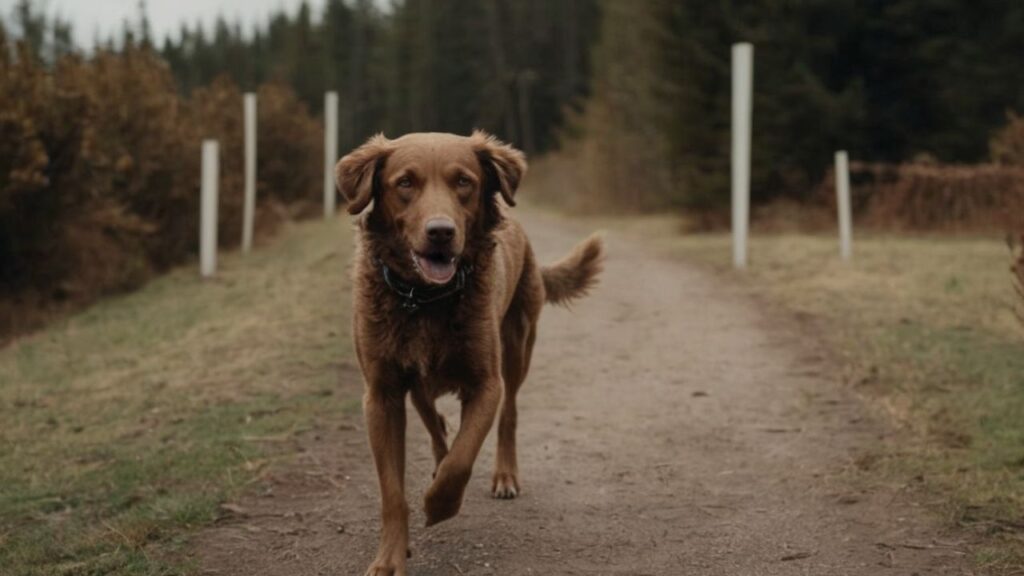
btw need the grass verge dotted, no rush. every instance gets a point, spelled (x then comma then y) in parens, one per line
(925, 328)
(125, 426)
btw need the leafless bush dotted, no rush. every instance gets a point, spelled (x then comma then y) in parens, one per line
(935, 197)
(291, 150)
(1007, 146)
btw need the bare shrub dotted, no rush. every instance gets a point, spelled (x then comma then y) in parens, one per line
(289, 159)
(935, 197)
(217, 113)
(41, 136)
(291, 150)
(99, 173)
(141, 152)
(1007, 146)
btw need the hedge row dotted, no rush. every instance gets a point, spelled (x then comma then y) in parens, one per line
(99, 173)
(987, 197)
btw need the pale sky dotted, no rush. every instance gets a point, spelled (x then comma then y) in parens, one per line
(103, 17)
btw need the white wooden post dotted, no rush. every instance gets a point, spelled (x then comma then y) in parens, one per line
(843, 197)
(208, 209)
(249, 208)
(330, 150)
(742, 113)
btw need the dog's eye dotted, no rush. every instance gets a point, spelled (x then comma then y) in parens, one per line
(404, 182)
(463, 182)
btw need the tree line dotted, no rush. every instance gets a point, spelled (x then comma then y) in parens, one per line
(513, 67)
(642, 85)
(890, 80)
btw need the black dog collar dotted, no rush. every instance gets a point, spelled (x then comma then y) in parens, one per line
(415, 297)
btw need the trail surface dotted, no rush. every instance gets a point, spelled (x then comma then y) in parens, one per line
(669, 426)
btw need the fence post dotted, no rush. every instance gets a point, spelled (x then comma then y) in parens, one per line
(742, 113)
(208, 209)
(249, 209)
(843, 197)
(330, 150)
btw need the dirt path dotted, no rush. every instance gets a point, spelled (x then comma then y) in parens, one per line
(668, 426)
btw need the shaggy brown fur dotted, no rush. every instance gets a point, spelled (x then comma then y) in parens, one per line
(440, 202)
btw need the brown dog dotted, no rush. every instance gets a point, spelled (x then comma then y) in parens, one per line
(446, 299)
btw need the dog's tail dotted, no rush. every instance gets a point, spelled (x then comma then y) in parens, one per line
(573, 276)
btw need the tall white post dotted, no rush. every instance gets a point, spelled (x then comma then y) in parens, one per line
(843, 197)
(330, 150)
(249, 208)
(208, 209)
(742, 114)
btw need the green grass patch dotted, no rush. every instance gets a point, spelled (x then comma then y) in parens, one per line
(125, 426)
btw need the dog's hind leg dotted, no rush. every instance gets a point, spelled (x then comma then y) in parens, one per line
(435, 423)
(518, 336)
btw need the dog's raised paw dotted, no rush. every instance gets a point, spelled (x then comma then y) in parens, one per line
(504, 486)
(443, 500)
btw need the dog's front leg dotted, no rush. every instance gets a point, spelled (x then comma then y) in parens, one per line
(444, 497)
(384, 410)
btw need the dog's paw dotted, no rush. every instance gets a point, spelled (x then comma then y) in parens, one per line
(386, 568)
(443, 499)
(505, 486)
(390, 560)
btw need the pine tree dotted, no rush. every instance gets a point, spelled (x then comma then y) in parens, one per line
(145, 31)
(32, 27)
(63, 39)
(302, 58)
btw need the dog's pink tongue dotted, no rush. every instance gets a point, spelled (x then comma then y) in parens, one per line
(439, 272)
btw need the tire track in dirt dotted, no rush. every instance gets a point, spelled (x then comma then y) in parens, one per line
(668, 426)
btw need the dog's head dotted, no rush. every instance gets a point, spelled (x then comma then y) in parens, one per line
(432, 194)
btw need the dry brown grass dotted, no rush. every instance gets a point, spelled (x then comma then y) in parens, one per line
(125, 425)
(1018, 273)
(582, 178)
(935, 197)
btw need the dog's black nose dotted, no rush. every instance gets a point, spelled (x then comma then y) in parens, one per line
(440, 230)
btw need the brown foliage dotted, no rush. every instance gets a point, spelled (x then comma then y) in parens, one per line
(140, 153)
(291, 142)
(1007, 146)
(99, 172)
(935, 197)
(289, 156)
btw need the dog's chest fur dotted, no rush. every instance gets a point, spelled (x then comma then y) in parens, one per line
(445, 345)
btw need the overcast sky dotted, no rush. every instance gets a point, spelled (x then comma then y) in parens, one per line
(102, 17)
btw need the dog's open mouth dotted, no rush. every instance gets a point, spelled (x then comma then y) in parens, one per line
(437, 267)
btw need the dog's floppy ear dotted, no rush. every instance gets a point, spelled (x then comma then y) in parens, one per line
(504, 165)
(356, 172)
